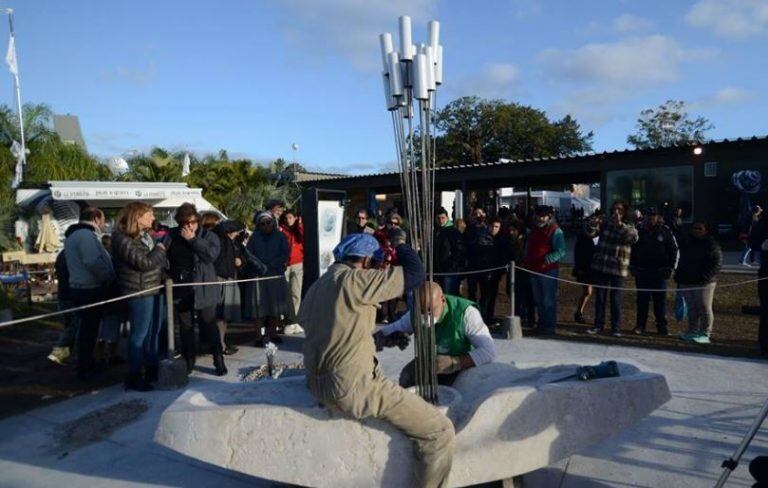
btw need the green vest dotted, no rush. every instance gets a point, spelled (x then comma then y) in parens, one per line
(450, 338)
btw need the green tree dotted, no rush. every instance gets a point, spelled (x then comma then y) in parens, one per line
(667, 125)
(475, 130)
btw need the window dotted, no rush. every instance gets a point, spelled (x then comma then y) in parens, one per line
(669, 187)
(710, 169)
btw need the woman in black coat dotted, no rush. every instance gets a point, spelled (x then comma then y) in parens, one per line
(582, 267)
(139, 263)
(700, 261)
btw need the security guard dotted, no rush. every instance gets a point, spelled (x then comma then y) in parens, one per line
(338, 314)
(462, 339)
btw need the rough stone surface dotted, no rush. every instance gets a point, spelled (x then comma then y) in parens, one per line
(510, 420)
(172, 374)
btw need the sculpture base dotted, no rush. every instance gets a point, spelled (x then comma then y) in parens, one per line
(509, 421)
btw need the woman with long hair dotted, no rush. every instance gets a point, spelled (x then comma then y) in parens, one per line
(139, 263)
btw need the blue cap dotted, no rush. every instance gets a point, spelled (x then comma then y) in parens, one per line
(357, 245)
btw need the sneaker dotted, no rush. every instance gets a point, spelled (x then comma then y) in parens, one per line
(662, 332)
(638, 331)
(293, 329)
(578, 317)
(58, 355)
(702, 338)
(616, 333)
(594, 331)
(688, 336)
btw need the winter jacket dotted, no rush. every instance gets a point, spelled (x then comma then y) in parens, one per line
(583, 252)
(473, 235)
(700, 261)
(272, 249)
(655, 250)
(295, 236)
(613, 250)
(545, 248)
(205, 247)
(63, 291)
(450, 250)
(88, 263)
(225, 262)
(138, 267)
(492, 251)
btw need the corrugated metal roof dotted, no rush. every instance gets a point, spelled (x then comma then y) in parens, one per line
(589, 154)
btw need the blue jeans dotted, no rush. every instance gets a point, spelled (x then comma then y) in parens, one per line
(601, 296)
(146, 317)
(545, 298)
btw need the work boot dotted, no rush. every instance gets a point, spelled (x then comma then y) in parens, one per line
(189, 348)
(218, 361)
(151, 374)
(135, 382)
(59, 354)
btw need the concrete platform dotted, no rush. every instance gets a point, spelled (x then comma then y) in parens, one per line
(681, 444)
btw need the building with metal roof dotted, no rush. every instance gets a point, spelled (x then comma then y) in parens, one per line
(717, 181)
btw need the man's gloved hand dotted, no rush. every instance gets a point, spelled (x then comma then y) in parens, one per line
(447, 364)
(397, 339)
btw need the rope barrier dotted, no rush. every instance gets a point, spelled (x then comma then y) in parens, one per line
(130, 295)
(608, 287)
(474, 271)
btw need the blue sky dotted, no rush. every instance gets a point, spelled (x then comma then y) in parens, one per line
(255, 76)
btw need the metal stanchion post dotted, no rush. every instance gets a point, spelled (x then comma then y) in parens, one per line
(169, 317)
(513, 329)
(173, 370)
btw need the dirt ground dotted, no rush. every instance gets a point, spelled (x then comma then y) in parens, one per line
(28, 380)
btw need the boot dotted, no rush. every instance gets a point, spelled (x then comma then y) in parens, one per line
(189, 348)
(135, 382)
(152, 374)
(218, 361)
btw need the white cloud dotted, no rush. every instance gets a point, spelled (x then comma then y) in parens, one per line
(351, 28)
(496, 80)
(735, 19)
(141, 76)
(729, 95)
(631, 24)
(637, 61)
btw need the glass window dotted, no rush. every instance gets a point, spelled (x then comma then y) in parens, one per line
(665, 188)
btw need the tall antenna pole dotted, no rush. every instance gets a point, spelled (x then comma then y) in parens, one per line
(411, 76)
(15, 73)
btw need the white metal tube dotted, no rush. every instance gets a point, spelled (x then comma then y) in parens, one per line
(406, 39)
(390, 103)
(420, 77)
(431, 84)
(433, 28)
(386, 47)
(395, 75)
(439, 65)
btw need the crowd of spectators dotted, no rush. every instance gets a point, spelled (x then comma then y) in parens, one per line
(470, 258)
(204, 256)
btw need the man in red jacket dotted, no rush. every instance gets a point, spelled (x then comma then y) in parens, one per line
(545, 249)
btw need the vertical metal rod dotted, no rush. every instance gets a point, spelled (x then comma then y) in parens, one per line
(169, 317)
(18, 94)
(512, 288)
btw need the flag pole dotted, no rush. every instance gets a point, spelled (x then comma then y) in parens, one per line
(15, 72)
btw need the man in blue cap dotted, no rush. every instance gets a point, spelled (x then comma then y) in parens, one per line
(338, 314)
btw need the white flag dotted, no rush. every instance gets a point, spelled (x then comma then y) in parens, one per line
(10, 58)
(16, 150)
(185, 166)
(17, 175)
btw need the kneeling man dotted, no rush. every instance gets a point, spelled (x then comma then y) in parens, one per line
(463, 340)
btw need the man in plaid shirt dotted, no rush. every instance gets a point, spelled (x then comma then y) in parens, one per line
(610, 264)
